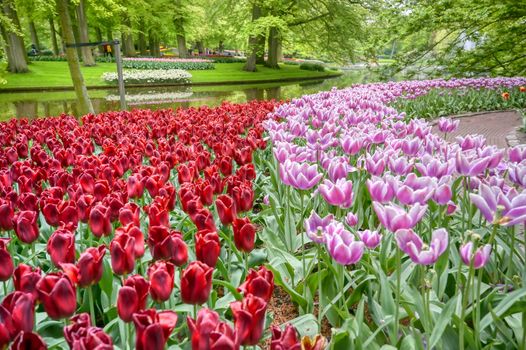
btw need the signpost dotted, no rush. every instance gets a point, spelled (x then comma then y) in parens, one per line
(118, 60)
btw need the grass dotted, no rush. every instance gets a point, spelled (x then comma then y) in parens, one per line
(52, 74)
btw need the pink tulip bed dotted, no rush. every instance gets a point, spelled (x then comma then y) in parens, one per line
(179, 229)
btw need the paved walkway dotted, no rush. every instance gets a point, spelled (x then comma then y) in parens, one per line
(494, 126)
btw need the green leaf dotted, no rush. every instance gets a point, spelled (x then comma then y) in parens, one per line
(443, 320)
(506, 303)
(296, 297)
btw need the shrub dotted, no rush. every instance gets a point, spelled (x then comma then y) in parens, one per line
(313, 67)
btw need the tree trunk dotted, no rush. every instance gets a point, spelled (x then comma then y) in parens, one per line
(273, 48)
(34, 35)
(99, 39)
(143, 50)
(54, 43)
(260, 56)
(128, 46)
(87, 55)
(16, 51)
(84, 102)
(250, 65)
(181, 39)
(200, 47)
(153, 43)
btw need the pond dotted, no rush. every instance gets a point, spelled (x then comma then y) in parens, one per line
(40, 104)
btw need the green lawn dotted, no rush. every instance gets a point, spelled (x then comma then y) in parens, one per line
(49, 74)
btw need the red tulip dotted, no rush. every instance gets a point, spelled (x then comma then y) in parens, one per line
(81, 335)
(161, 276)
(243, 155)
(243, 197)
(84, 204)
(130, 214)
(225, 165)
(167, 244)
(249, 319)
(25, 279)
(21, 306)
(58, 295)
(208, 333)
(26, 227)
(244, 234)
(158, 215)
(207, 247)
(6, 215)
(225, 209)
(286, 339)
(185, 173)
(132, 297)
(28, 340)
(61, 247)
(133, 231)
(247, 172)
(99, 221)
(204, 220)
(206, 193)
(135, 186)
(259, 283)
(196, 283)
(122, 251)
(6, 262)
(89, 268)
(153, 328)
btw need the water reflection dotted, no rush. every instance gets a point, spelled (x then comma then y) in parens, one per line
(33, 105)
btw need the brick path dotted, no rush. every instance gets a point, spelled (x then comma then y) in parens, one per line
(494, 126)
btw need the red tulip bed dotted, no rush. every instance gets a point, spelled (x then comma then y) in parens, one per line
(132, 230)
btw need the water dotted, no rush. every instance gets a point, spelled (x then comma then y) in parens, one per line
(34, 105)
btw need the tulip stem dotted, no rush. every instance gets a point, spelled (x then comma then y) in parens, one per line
(398, 267)
(91, 305)
(477, 309)
(302, 236)
(195, 312)
(465, 295)
(5, 288)
(320, 316)
(246, 264)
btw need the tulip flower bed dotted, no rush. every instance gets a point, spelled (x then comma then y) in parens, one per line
(393, 235)
(168, 76)
(138, 230)
(132, 230)
(168, 63)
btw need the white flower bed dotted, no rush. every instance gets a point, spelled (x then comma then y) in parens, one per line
(149, 76)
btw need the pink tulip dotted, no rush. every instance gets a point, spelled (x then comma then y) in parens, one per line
(479, 258)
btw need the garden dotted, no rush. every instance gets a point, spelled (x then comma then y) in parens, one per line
(344, 219)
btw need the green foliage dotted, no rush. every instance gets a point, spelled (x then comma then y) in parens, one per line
(460, 37)
(440, 102)
(312, 66)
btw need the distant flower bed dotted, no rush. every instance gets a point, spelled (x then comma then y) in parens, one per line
(100, 59)
(149, 97)
(168, 63)
(149, 76)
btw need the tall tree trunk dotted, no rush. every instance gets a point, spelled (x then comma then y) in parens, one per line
(87, 55)
(253, 41)
(200, 47)
(143, 50)
(16, 51)
(273, 48)
(72, 9)
(260, 56)
(153, 43)
(181, 39)
(54, 43)
(128, 47)
(99, 39)
(84, 102)
(34, 35)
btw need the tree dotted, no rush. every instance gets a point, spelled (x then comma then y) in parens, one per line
(179, 30)
(81, 92)
(34, 35)
(461, 37)
(53, 33)
(13, 40)
(253, 41)
(87, 55)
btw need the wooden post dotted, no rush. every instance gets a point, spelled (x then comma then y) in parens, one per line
(120, 76)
